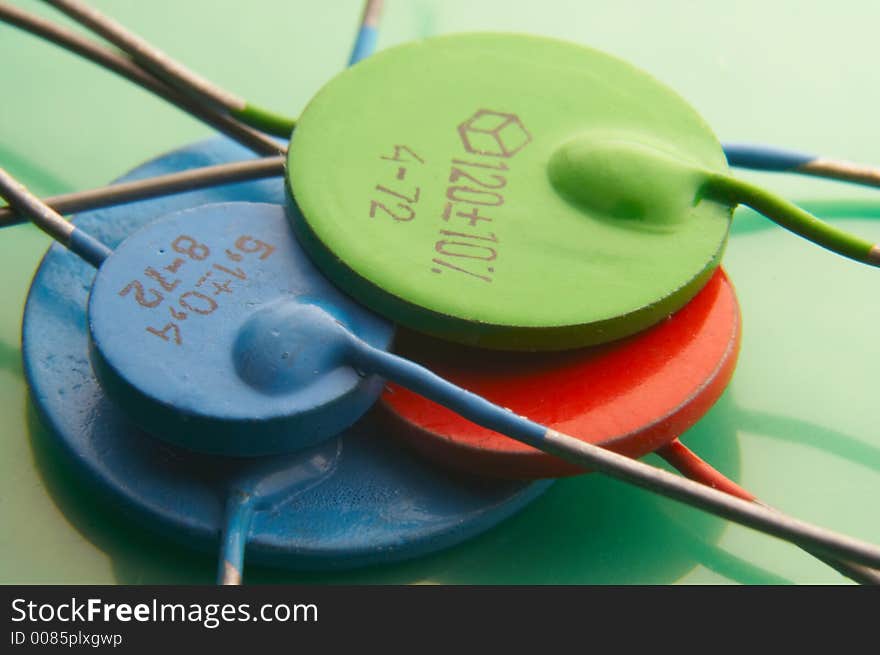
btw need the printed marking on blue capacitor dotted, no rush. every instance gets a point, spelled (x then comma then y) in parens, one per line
(189, 324)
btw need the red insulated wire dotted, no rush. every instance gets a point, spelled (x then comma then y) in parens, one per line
(690, 465)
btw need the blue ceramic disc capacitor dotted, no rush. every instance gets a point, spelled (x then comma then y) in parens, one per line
(206, 329)
(353, 501)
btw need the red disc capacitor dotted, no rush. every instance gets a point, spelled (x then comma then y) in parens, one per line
(631, 396)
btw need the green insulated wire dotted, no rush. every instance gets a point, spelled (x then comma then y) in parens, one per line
(734, 191)
(173, 71)
(265, 120)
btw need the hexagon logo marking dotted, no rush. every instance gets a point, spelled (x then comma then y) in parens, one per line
(493, 133)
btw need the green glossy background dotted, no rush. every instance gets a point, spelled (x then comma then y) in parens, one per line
(797, 426)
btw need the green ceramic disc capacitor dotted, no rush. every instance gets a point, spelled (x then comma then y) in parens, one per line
(507, 191)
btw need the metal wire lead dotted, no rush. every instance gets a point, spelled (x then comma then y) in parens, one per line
(162, 185)
(817, 540)
(69, 40)
(368, 33)
(172, 71)
(779, 160)
(52, 223)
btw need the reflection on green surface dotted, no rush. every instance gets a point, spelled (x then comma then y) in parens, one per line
(10, 358)
(584, 530)
(588, 529)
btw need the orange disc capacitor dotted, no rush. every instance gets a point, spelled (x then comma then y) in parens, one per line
(631, 396)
